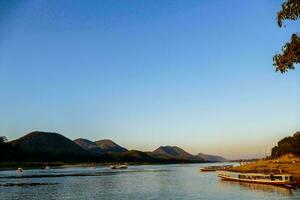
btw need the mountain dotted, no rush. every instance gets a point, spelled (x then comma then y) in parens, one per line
(85, 144)
(108, 146)
(100, 146)
(211, 158)
(88, 145)
(139, 157)
(174, 152)
(136, 156)
(47, 145)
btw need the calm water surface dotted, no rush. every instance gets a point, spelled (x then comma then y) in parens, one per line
(136, 182)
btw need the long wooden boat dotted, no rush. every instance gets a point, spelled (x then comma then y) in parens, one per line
(285, 180)
(215, 168)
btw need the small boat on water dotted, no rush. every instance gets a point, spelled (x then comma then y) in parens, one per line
(285, 180)
(19, 169)
(47, 167)
(215, 168)
(119, 166)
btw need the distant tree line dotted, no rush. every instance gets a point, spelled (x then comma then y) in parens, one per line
(287, 145)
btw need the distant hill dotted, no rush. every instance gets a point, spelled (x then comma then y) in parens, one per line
(140, 157)
(108, 146)
(48, 146)
(100, 146)
(174, 152)
(211, 158)
(88, 145)
(85, 144)
(287, 145)
(136, 156)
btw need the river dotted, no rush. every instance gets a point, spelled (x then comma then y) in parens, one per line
(181, 181)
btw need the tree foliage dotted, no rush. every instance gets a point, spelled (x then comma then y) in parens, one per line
(287, 145)
(290, 56)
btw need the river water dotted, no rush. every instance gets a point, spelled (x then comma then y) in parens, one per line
(137, 182)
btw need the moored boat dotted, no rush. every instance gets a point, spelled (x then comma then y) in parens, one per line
(119, 166)
(215, 168)
(19, 169)
(285, 180)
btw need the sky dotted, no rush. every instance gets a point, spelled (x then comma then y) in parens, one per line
(195, 74)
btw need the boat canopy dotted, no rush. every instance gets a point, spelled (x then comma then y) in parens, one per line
(270, 177)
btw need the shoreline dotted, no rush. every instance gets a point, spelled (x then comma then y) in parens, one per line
(60, 165)
(288, 164)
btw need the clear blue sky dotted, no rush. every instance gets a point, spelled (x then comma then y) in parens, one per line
(197, 74)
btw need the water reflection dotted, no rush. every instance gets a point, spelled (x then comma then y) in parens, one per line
(254, 187)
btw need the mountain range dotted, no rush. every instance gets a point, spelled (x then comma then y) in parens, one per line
(175, 153)
(37, 146)
(100, 146)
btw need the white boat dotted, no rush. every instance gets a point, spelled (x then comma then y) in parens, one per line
(47, 168)
(19, 169)
(119, 166)
(285, 180)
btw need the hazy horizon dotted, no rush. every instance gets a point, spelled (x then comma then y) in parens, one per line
(194, 74)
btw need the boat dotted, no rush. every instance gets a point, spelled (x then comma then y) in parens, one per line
(119, 166)
(19, 169)
(47, 167)
(285, 180)
(215, 168)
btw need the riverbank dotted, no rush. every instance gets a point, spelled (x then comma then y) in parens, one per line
(289, 164)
